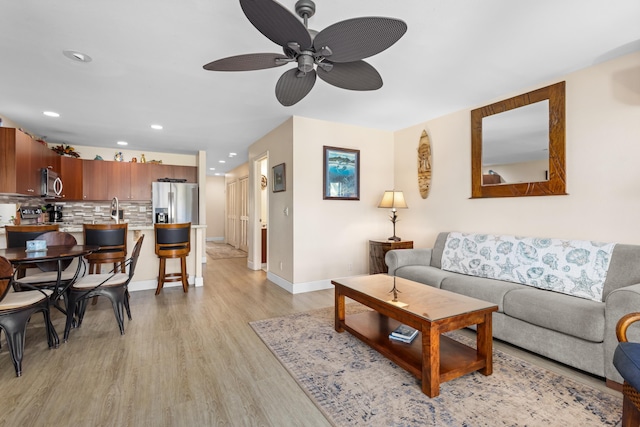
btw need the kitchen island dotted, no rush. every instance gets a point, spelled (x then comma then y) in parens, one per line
(146, 276)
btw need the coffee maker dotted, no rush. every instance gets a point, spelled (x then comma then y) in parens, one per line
(55, 213)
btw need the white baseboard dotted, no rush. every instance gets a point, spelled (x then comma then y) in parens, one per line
(215, 239)
(298, 288)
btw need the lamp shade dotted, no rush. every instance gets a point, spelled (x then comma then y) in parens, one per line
(393, 200)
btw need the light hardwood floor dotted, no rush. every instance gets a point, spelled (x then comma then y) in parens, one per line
(186, 360)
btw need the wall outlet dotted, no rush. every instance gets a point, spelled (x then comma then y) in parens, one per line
(97, 208)
(142, 209)
(280, 265)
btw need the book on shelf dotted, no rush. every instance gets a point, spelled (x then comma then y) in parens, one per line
(405, 332)
(405, 340)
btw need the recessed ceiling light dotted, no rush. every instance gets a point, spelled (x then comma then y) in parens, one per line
(123, 143)
(156, 127)
(212, 169)
(232, 154)
(221, 161)
(217, 174)
(76, 56)
(51, 114)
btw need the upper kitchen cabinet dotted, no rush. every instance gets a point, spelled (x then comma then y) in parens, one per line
(104, 180)
(71, 175)
(143, 174)
(21, 161)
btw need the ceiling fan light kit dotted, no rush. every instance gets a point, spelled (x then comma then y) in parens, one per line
(334, 54)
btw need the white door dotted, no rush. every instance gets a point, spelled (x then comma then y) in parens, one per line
(232, 215)
(244, 214)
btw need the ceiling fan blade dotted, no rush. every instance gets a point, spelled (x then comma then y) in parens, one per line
(276, 22)
(356, 75)
(294, 85)
(359, 38)
(248, 62)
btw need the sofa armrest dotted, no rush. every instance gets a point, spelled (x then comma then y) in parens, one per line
(397, 258)
(619, 302)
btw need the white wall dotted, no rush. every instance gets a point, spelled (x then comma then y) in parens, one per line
(603, 168)
(278, 144)
(331, 237)
(215, 201)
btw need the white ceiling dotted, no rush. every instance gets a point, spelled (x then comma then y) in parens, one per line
(148, 57)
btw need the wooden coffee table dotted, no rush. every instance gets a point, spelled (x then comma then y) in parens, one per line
(431, 357)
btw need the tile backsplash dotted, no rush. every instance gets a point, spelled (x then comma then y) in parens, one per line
(77, 213)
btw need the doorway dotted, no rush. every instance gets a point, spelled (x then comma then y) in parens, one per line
(263, 203)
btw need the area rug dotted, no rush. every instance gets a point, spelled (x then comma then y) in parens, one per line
(224, 251)
(354, 385)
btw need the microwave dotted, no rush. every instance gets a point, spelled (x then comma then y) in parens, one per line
(51, 184)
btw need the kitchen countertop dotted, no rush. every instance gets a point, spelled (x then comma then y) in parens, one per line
(75, 228)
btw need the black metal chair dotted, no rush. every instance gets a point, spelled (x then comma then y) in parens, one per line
(112, 285)
(16, 308)
(173, 241)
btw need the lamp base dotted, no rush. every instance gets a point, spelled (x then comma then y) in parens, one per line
(395, 238)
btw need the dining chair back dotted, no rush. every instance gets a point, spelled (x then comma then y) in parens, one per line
(173, 241)
(112, 239)
(16, 308)
(111, 285)
(18, 235)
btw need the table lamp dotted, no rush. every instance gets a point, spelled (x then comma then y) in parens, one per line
(394, 200)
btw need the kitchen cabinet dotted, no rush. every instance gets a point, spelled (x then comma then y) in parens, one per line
(21, 161)
(143, 174)
(119, 182)
(94, 180)
(104, 180)
(71, 175)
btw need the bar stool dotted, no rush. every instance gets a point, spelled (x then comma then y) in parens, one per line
(173, 241)
(112, 239)
(17, 236)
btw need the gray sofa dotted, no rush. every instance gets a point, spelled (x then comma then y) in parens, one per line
(572, 330)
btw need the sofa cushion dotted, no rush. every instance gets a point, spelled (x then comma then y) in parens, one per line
(577, 317)
(423, 274)
(489, 290)
(573, 267)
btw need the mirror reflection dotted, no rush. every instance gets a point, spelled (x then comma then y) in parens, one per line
(515, 145)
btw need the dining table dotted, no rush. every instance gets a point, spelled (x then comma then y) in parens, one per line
(58, 254)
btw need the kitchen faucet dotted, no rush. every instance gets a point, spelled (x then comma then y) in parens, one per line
(115, 211)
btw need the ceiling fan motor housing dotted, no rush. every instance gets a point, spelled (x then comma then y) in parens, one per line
(305, 8)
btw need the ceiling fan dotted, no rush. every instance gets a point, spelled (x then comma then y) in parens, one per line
(334, 54)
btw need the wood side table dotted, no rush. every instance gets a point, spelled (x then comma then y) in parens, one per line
(379, 248)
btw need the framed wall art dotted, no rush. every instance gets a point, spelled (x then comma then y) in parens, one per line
(278, 178)
(341, 174)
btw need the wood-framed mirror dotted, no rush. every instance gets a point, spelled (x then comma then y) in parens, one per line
(514, 141)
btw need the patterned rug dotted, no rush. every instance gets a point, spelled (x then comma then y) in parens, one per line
(224, 251)
(353, 385)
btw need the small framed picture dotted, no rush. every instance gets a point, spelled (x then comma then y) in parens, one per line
(341, 174)
(278, 178)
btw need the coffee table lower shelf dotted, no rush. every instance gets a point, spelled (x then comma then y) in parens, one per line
(373, 328)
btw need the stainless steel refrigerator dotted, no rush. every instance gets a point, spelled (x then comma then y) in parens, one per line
(174, 202)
